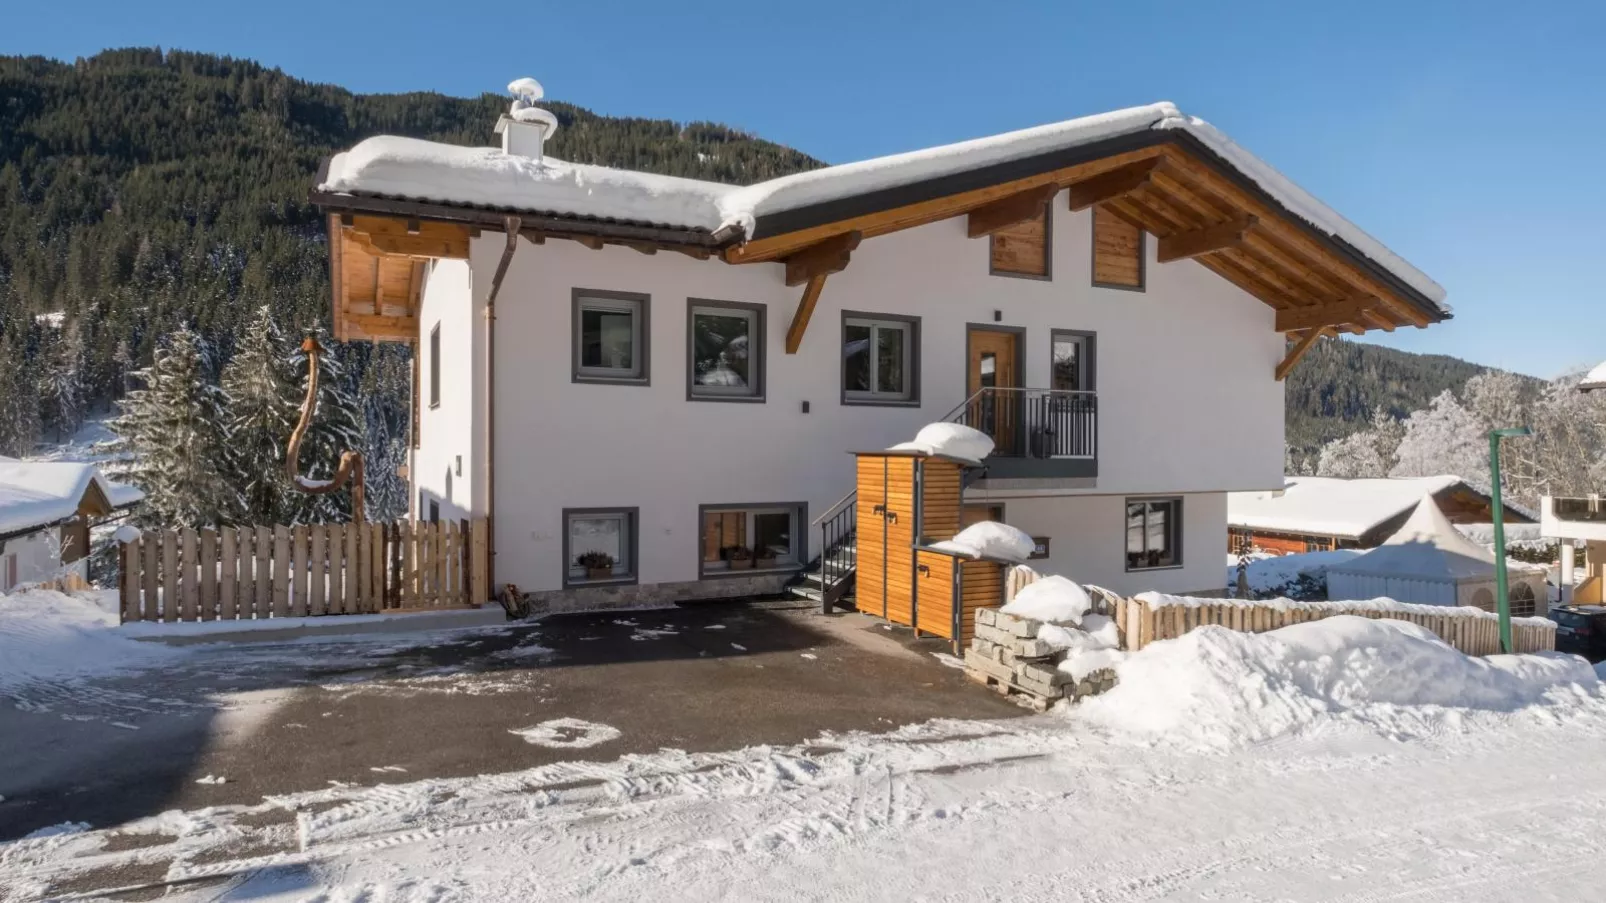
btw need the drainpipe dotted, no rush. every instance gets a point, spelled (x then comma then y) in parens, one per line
(511, 225)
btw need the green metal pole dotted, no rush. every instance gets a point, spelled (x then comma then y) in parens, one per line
(1502, 599)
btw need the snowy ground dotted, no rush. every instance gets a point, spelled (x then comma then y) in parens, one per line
(92, 444)
(1341, 760)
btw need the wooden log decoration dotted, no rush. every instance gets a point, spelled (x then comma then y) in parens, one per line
(350, 466)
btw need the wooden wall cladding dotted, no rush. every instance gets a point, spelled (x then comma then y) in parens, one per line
(1023, 249)
(1117, 250)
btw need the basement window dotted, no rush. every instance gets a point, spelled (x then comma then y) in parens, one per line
(770, 537)
(1153, 534)
(880, 359)
(591, 533)
(610, 337)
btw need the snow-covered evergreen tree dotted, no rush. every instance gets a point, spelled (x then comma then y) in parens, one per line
(1353, 457)
(19, 398)
(337, 426)
(261, 402)
(173, 427)
(61, 386)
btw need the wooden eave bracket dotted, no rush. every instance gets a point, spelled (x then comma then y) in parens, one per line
(829, 256)
(1116, 183)
(1360, 311)
(1017, 208)
(1220, 237)
(805, 310)
(1299, 350)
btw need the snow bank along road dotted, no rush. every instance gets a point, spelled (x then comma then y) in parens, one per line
(1317, 769)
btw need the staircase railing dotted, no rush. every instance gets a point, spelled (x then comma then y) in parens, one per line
(838, 538)
(1034, 423)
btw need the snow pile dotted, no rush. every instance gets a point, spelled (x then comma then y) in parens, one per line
(950, 440)
(46, 635)
(1277, 573)
(989, 539)
(1055, 599)
(1216, 688)
(1096, 647)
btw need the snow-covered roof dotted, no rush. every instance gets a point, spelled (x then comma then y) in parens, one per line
(1330, 506)
(411, 169)
(1428, 547)
(40, 493)
(1596, 378)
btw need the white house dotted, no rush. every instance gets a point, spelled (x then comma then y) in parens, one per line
(1580, 519)
(662, 369)
(46, 509)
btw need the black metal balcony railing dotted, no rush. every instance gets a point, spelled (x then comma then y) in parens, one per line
(1589, 510)
(1035, 423)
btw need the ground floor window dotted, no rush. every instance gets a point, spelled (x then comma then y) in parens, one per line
(759, 537)
(599, 545)
(1153, 534)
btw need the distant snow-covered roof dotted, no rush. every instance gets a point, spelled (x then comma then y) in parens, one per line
(41, 493)
(1428, 547)
(1330, 506)
(413, 169)
(1596, 378)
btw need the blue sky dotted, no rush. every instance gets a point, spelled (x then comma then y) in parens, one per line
(1464, 135)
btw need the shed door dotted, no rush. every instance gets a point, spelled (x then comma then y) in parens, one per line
(871, 541)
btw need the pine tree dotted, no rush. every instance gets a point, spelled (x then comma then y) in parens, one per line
(337, 427)
(173, 428)
(260, 407)
(19, 398)
(61, 390)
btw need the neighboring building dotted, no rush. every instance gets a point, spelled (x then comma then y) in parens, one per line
(46, 510)
(1429, 562)
(675, 368)
(1311, 514)
(1581, 519)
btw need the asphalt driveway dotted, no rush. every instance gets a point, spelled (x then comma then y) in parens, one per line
(233, 723)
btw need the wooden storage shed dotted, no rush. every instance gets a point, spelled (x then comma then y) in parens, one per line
(905, 499)
(948, 590)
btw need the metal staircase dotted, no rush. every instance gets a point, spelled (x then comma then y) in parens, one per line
(829, 579)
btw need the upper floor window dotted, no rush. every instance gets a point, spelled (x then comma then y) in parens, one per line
(610, 337)
(435, 366)
(1153, 534)
(880, 359)
(1072, 361)
(725, 350)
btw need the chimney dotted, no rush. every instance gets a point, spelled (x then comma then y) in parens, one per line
(525, 127)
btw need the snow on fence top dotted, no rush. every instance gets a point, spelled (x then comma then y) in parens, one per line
(1381, 605)
(424, 170)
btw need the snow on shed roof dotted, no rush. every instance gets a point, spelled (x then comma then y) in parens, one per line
(1596, 378)
(1330, 506)
(40, 493)
(413, 169)
(1428, 547)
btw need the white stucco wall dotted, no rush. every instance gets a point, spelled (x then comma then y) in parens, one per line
(1086, 547)
(450, 430)
(1184, 373)
(38, 558)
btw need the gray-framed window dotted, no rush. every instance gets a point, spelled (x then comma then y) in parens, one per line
(1153, 534)
(725, 350)
(772, 535)
(1073, 357)
(880, 359)
(435, 366)
(611, 341)
(614, 532)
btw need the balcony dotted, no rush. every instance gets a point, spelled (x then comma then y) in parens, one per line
(1037, 433)
(1562, 517)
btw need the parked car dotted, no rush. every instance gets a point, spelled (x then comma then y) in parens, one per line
(1581, 629)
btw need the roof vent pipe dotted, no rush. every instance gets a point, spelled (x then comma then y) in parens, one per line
(525, 127)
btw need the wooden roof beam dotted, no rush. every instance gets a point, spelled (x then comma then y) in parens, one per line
(829, 256)
(1113, 184)
(395, 329)
(1298, 352)
(1017, 208)
(1349, 311)
(805, 310)
(1186, 245)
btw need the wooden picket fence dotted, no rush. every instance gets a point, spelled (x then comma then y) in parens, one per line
(1143, 621)
(251, 573)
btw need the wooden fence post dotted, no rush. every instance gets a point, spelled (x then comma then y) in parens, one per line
(170, 595)
(281, 572)
(208, 562)
(228, 600)
(128, 579)
(298, 572)
(318, 572)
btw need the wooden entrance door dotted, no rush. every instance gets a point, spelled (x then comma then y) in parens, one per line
(994, 364)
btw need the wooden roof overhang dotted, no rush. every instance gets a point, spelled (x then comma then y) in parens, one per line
(1166, 182)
